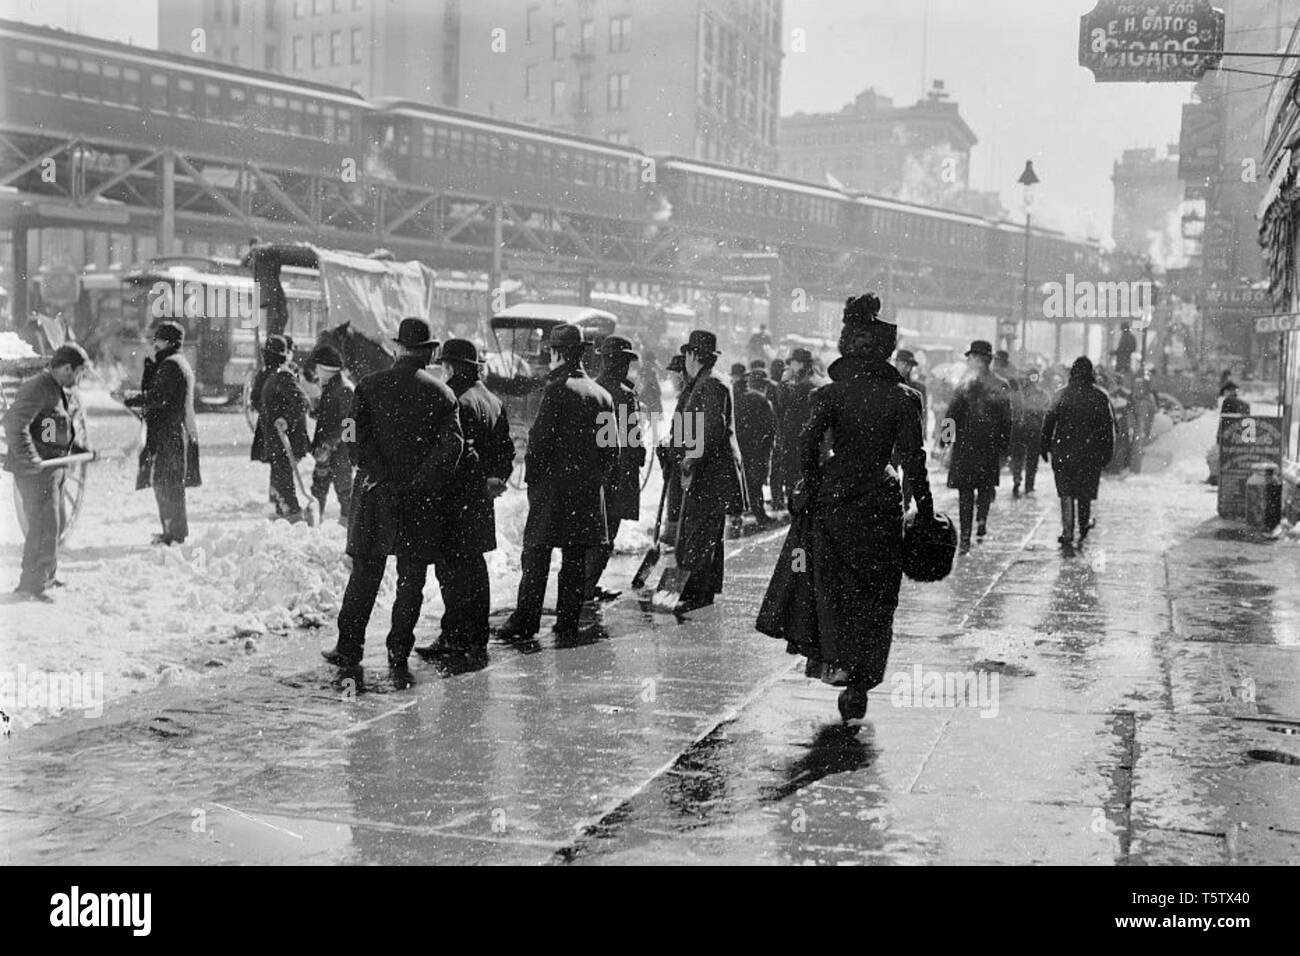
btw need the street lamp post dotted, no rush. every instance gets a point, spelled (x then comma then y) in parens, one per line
(1027, 179)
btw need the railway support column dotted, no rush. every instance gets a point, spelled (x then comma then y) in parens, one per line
(494, 273)
(777, 296)
(167, 199)
(19, 292)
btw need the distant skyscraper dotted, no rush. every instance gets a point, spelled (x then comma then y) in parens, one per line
(699, 78)
(399, 48)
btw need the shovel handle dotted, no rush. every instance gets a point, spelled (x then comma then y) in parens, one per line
(67, 460)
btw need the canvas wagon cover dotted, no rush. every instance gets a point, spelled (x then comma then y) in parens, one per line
(374, 295)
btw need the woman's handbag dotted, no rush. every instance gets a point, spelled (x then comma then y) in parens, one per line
(929, 547)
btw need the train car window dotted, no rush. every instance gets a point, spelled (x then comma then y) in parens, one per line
(68, 83)
(327, 122)
(212, 106)
(131, 87)
(295, 117)
(157, 101)
(547, 169)
(497, 153)
(47, 73)
(89, 86)
(530, 159)
(24, 75)
(427, 141)
(481, 151)
(110, 87)
(314, 125)
(453, 146)
(184, 98)
(237, 103)
(345, 126)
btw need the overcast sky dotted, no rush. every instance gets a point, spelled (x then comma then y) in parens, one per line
(1010, 64)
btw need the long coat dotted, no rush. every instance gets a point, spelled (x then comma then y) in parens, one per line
(755, 433)
(981, 414)
(167, 397)
(623, 493)
(1079, 431)
(335, 406)
(283, 397)
(258, 451)
(715, 482)
(835, 588)
(489, 453)
(44, 421)
(798, 407)
(567, 463)
(408, 445)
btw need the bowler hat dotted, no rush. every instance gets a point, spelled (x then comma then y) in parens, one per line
(801, 355)
(565, 335)
(326, 356)
(1228, 386)
(615, 346)
(905, 355)
(757, 363)
(170, 332)
(1002, 355)
(414, 333)
(459, 350)
(737, 368)
(702, 343)
(276, 345)
(70, 354)
(757, 376)
(980, 347)
(676, 364)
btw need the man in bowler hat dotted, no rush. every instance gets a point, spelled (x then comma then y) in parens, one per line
(333, 412)
(565, 467)
(471, 524)
(979, 427)
(407, 449)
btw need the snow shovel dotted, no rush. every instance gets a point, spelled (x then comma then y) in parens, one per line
(311, 510)
(652, 555)
(668, 593)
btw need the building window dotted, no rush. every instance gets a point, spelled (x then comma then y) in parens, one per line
(270, 15)
(620, 137)
(337, 6)
(336, 47)
(318, 7)
(234, 13)
(272, 58)
(530, 82)
(557, 96)
(557, 41)
(297, 52)
(584, 93)
(317, 49)
(234, 55)
(217, 52)
(620, 32)
(616, 91)
(358, 41)
(217, 10)
(530, 24)
(586, 36)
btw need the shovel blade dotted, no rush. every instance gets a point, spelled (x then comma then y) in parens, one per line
(647, 566)
(669, 592)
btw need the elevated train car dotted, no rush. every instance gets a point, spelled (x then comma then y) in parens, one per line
(66, 83)
(476, 155)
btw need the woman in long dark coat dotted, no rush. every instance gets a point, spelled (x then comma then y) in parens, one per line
(835, 589)
(1079, 433)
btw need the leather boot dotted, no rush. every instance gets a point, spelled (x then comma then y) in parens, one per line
(1067, 521)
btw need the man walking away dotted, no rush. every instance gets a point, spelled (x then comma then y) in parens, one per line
(167, 397)
(1079, 435)
(408, 445)
(44, 422)
(333, 460)
(981, 415)
(1027, 432)
(755, 432)
(623, 492)
(471, 524)
(797, 409)
(1232, 403)
(565, 467)
(283, 400)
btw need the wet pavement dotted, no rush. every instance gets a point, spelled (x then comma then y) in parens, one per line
(1135, 703)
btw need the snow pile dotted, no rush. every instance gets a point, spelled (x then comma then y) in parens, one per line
(12, 347)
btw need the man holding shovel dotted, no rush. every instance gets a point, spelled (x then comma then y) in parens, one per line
(44, 423)
(283, 399)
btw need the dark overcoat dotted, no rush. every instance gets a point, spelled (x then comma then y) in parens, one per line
(167, 399)
(843, 558)
(1079, 431)
(623, 493)
(408, 446)
(258, 451)
(283, 397)
(567, 464)
(489, 453)
(980, 411)
(798, 406)
(44, 421)
(755, 432)
(334, 408)
(706, 413)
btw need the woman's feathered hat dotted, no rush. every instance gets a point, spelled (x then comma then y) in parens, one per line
(862, 309)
